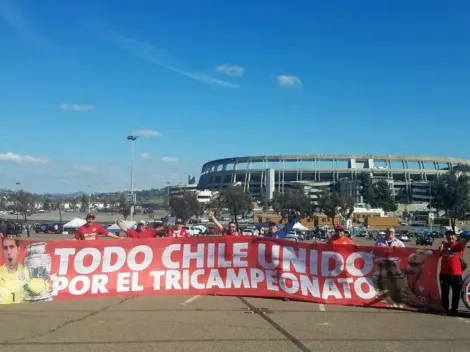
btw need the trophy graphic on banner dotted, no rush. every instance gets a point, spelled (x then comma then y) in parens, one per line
(37, 261)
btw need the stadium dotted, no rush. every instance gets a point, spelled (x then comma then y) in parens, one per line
(409, 177)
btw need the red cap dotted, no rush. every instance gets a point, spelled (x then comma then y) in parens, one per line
(339, 227)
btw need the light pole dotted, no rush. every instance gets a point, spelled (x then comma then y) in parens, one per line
(132, 139)
(168, 183)
(18, 184)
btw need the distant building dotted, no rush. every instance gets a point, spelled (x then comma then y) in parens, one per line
(203, 196)
(409, 177)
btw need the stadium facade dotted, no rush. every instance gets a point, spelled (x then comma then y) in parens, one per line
(409, 177)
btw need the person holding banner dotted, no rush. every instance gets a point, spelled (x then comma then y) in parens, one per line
(273, 231)
(91, 231)
(139, 232)
(178, 231)
(389, 240)
(232, 229)
(340, 236)
(452, 268)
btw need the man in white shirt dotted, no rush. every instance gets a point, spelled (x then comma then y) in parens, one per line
(389, 240)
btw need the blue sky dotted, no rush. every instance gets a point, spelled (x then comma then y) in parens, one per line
(223, 78)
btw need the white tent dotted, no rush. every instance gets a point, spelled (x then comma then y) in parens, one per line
(125, 224)
(300, 227)
(75, 223)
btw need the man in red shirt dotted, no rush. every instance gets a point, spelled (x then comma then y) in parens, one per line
(231, 228)
(179, 230)
(139, 232)
(450, 277)
(91, 231)
(340, 236)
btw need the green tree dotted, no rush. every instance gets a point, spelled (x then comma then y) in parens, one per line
(367, 187)
(384, 197)
(236, 200)
(185, 205)
(346, 207)
(263, 200)
(124, 208)
(47, 204)
(59, 206)
(84, 203)
(276, 201)
(293, 199)
(377, 194)
(25, 202)
(452, 195)
(330, 204)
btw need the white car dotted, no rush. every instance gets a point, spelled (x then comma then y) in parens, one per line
(404, 238)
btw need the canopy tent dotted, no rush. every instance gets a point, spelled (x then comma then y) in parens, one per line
(300, 227)
(74, 224)
(126, 224)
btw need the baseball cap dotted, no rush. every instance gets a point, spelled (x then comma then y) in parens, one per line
(179, 221)
(90, 215)
(142, 222)
(339, 227)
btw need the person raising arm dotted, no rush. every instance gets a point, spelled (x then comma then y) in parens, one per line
(232, 229)
(274, 233)
(91, 231)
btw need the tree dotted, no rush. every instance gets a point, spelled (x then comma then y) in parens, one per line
(47, 204)
(185, 205)
(346, 207)
(84, 203)
(24, 203)
(384, 197)
(367, 188)
(124, 207)
(59, 205)
(377, 194)
(292, 200)
(236, 200)
(330, 204)
(263, 199)
(452, 195)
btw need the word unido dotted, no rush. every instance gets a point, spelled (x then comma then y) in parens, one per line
(215, 255)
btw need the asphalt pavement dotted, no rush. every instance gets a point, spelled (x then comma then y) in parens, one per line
(210, 323)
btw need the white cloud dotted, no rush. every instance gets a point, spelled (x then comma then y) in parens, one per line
(289, 81)
(22, 159)
(146, 133)
(231, 70)
(169, 159)
(76, 107)
(146, 156)
(148, 52)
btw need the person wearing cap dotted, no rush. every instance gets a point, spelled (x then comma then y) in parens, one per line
(273, 231)
(452, 267)
(91, 231)
(340, 236)
(389, 240)
(139, 232)
(232, 229)
(178, 230)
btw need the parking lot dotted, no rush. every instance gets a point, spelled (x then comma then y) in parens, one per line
(208, 323)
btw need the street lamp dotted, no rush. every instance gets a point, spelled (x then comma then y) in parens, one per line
(18, 184)
(132, 139)
(89, 199)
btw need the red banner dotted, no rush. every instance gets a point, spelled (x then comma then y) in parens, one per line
(243, 266)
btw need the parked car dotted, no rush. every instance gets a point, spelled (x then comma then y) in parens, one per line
(424, 241)
(404, 238)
